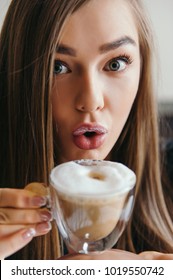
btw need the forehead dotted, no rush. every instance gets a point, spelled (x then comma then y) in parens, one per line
(100, 21)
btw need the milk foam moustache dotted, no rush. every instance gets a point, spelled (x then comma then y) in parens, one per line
(92, 201)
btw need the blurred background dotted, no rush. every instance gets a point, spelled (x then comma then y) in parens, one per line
(161, 15)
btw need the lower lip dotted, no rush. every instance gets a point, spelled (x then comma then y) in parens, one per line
(89, 143)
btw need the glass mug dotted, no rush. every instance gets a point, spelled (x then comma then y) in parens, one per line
(91, 202)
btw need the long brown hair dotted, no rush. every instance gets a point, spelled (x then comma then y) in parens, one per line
(151, 226)
(28, 42)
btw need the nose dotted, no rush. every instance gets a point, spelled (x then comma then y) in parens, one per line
(90, 96)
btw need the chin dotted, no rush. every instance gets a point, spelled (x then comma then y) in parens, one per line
(89, 154)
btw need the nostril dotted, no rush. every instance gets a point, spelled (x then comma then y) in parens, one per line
(82, 108)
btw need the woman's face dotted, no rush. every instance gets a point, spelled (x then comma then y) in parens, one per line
(96, 77)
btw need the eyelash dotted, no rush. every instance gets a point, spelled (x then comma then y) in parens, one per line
(123, 58)
(62, 64)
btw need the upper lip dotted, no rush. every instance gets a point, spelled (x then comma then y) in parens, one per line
(89, 127)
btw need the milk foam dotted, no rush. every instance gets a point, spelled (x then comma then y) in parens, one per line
(102, 178)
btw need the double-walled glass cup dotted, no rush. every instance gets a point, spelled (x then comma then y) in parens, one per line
(91, 202)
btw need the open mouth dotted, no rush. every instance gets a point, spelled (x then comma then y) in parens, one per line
(89, 136)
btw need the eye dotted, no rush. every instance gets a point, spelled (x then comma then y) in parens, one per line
(117, 64)
(60, 68)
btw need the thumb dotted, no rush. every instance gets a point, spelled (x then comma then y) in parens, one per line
(11, 244)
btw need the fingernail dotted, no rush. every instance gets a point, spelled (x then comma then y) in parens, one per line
(43, 227)
(46, 216)
(38, 201)
(29, 233)
(48, 201)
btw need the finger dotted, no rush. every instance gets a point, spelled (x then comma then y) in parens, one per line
(106, 255)
(10, 229)
(41, 228)
(153, 255)
(42, 190)
(24, 216)
(15, 242)
(20, 198)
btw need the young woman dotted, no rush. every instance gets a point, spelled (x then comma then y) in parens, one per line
(72, 66)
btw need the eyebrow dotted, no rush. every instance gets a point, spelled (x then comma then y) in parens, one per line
(64, 49)
(117, 44)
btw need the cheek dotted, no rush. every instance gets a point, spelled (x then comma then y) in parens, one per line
(55, 104)
(120, 100)
(121, 94)
(61, 104)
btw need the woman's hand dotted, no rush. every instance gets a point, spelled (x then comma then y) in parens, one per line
(116, 254)
(23, 215)
(113, 254)
(153, 255)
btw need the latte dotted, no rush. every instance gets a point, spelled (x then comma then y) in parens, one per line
(90, 196)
